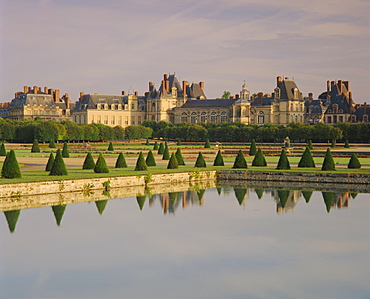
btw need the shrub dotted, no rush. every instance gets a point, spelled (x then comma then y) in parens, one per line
(346, 144)
(150, 160)
(50, 162)
(161, 149)
(306, 159)
(253, 148)
(332, 143)
(309, 145)
(121, 161)
(10, 168)
(140, 163)
(200, 161)
(240, 161)
(179, 141)
(354, 163)
(328, 163)
(207, 144)
(166, 153)
(35, 146)
(65, 153)
(155, 147)
(219, 160)
(89, 162)
(52, 144)
(2, 150)
(110, 147)
(179, 158)
(283, 161)
(259, 159)
(173, 164)
(101, 165)
(147, 142)
(58, 168)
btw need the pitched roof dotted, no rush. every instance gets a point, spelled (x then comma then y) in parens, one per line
(286, 90)
(209, 103)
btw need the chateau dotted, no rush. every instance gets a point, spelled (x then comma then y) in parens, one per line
(177, 102)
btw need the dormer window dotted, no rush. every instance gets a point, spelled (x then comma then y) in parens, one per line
(295, 93)
(277, 93)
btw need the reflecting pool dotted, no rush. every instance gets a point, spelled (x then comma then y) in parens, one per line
(227, 241)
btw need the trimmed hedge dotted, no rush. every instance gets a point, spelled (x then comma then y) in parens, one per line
(89, 162)
(10, 169)
(150, 160)
(121, 161)
(283, 162)
(200, 162)
(140, 163)
(219, 160)
(58, 168)
(240, 161)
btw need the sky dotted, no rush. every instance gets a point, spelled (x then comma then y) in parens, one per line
(106, 46)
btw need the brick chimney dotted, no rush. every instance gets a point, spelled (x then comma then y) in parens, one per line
(328, 86)
(165, 77)
(237, 96)
(45, 89)
(167, 85)
(35, 89)
(57, 96)
(278, 81)
(67, 100)
(260, 98)
(347, 85)
(123, 92)
(81, 96)
(151, 85)
(201, 84)
(252, 98)
(136, 93)
(25, 89)
(163, 83)
(184, 87)
(365, 108)
(310, 97)
(340, 86)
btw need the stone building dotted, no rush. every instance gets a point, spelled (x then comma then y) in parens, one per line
(46, 104)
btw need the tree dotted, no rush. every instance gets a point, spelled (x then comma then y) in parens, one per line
(207, 144)
(179, 142)
(173, 164)
(58, 168)
(121, 161)
(166, 153)
(179, 157)
(89, 162)
(50, 162)
(52, 144)
(140, 163)
(101, 165)
(147, 142)
(310, 146)
(35, 146)
(253, 148)
(328, 163)
(332, 143)
(150, 160)
(2, 150)
(219, 160)
(306, 159)
(65, 152)
(259, 159)
(226, 95)
(161, 149)
(200, 162)
(346, 144)
(110, 147)
(155, 147)
(10, 168)
(354, 163)
(240, 161)
(283, 161)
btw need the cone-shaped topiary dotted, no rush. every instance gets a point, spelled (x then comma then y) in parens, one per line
(328, 163)
(179, 141)
(50, 162)
(140, 201)
(259, 159)
(147, 142)
(110, 147)
(332, 143)
(306, 159)
(101, 165)
(121, 161)
(200, 161)
(10, 168)
(354, 162)
(173, 164)
(253, 148)
(12, 219)
(35, 146)
(89, 162)
(346, 144)
(2, 150)
(150, 160)
(65, 152)
(240, 194)
(309, 145)
(156, 146)
(283, 195)
(140, 163)
(283, 161)
(207, 144)
(219, 160)
(259, 193)
(240, 161)
(161, 149)
(100, 205)
(58, 213)
(52, 144)
(329, 198)
(179, 157)
(59, 168)
(307, 195)
(166, 153)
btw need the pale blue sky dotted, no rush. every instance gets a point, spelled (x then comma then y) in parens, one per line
(107, 46)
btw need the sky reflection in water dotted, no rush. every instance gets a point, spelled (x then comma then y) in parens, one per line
(232, 245)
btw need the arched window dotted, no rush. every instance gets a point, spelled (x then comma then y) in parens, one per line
(353, 118)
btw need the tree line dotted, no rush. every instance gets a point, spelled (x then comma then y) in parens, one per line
(238, 132)
(45, 131)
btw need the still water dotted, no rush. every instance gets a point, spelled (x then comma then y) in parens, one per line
(225, 242)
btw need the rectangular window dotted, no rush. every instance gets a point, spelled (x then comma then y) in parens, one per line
(139, 120)
(224, 118)
(203, 119)
(329, 119)
(184, 119)
(105, 119)
(193, 119)
(126, 120)
(120, 120)
(133, 120)
(341, 119)
(113, 120)
(213, 118)
(335, 119)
